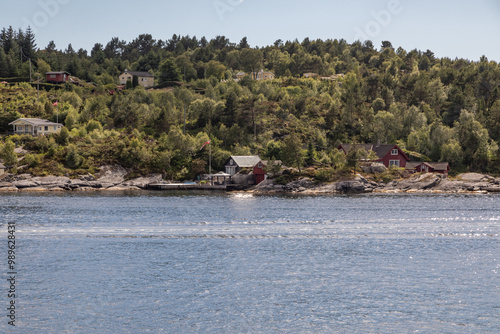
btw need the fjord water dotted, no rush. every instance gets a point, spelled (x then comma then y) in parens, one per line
(234, 263)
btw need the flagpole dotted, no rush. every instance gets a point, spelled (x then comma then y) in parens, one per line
(210, 158)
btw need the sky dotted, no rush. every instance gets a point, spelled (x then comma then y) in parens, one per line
(449, 28)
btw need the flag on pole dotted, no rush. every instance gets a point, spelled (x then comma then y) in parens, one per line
(54, 104)
(208, 142)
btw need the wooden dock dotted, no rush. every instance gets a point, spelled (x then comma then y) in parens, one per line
(185, 186)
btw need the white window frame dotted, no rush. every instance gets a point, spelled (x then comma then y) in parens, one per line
(394, 163)
(394, 151)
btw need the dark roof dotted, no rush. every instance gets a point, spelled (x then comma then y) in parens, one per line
(380, 150)
(434, 165)
(245, 160)
(438, 165)
(140, 74)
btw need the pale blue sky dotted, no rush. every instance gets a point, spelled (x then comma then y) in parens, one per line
(449, 28)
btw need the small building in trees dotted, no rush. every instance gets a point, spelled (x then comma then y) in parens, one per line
(145, 79)
(388, 154)
(35, 126)
(261, 75)
(57, 77)
(310, 75)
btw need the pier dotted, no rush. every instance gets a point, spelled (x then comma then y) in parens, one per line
(185, 186)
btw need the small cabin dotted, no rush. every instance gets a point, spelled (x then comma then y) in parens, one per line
(57, 77)
(430, 167)
(260, 170)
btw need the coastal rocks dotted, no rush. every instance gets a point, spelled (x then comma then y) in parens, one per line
(142, 182)
(24, 184)
(109, 178)
(418, 182)
(475, 177)
(374, 168)
(299, 185)
(111, 175)
(51, 181)
(350, 187)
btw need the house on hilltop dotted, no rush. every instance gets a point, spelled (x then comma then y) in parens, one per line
(35, 126)
(145, 79)
(57, 77)
(261, 75)
(387, 154)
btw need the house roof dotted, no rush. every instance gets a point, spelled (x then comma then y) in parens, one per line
(437, 165)
(266, 162)
(412, 164)
(34, 121)
(440, 165)
(60, 72)
(139, 74)
(380, 150)
(246, 160)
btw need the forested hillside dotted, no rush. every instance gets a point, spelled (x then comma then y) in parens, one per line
(436, 109)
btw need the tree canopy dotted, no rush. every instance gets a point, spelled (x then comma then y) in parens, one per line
(443, 109)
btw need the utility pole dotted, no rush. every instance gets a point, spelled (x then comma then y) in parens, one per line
(184, 131)
(30, 70)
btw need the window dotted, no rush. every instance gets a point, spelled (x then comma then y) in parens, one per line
(46, 128)
(40, 128)
(393, 163)
(394, 151)
(52, 76)
(259, 165)
(54, 127)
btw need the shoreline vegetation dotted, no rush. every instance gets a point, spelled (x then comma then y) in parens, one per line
(291, 101)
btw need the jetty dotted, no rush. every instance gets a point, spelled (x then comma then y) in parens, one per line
(185, 186)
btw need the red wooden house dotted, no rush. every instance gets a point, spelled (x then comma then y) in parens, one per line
(259, 171)
(388, 154)
(429, 167)
(57, 77)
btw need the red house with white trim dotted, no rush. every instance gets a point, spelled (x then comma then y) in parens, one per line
(429, 167)
(387, 154)
(57, 77)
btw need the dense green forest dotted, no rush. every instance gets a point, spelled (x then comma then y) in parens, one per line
(436, 109)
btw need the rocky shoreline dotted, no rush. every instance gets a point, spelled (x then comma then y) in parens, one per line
(108, 178)
(419, 183)
(113, 178)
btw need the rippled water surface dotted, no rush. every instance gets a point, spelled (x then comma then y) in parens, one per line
(234, 263)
